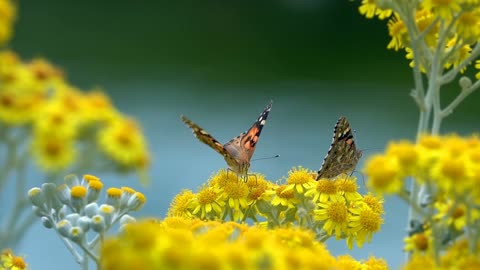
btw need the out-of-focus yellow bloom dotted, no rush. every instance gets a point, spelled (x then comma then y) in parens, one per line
(9, 261)
(7, 18)
(384, 174)
(369, 9)
(420, 262)
(123, 142)
(53, 153)
(194, 244)
(421, 242)
(443, 9)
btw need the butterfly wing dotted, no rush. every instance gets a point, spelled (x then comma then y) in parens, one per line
(242, 147)
(343, 156)
(208, 139)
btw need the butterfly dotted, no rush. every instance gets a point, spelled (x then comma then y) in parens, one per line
(238, 151)
(343, 156)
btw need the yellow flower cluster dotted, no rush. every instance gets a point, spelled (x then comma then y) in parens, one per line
(183, 243)
(329, 207)
(68, 125)
(8, 261)
(448, 169)
(453, 25)
(7, 18)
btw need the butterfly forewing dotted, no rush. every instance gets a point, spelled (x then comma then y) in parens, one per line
(343, 156)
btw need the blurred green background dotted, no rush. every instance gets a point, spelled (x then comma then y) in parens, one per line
(219, 63)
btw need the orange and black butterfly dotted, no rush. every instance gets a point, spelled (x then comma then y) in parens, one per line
(343, 156)
(238, 151)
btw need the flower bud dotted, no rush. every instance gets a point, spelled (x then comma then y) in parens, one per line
(63, 228)
(84, 223)
(47, 223)
(37, 198)
(76, 234)
(107, 212)
(91, 209)
(98, 224)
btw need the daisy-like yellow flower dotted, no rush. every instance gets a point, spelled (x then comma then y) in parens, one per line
(206, 200)
(419, 243)
(54, 117)
(384, 174)
(324, 190)
(283, 197)
(374, 202)
(299, 179)
(123, 141)
(424, 19)
(368, 8)
(20, 101)
(406, 154)
(335, 215)
(181, 204)
(455, 214)
(53, 153)
(443, 9)
(451, 174)
(398, 31)
(458, 55)
(347, 187)
(468, 25)
(11, 262)
(236, 194)
(363, 223)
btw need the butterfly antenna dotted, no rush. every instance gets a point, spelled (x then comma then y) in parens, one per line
(255, 159)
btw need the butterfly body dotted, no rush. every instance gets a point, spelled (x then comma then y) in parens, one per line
(343, 156)
(238, 151)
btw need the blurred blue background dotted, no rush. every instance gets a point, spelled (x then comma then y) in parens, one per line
(219, 63)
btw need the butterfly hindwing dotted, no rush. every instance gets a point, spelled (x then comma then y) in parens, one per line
(343, 156)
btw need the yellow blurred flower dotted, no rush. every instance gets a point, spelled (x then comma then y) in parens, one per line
(53, 153)
(9, 261)
(421, 242)
(194, 244)
(7, 17)
(384, 174)
(123, 141)
(443, 9)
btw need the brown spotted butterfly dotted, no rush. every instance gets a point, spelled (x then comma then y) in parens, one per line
(343, 156)
(238, 151)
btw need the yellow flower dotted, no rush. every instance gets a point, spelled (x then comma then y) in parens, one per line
(335, 215)
(193, 244)
(55, 118)
(181, 204)
(362, 223)
(376, 264)
(236, 192)
(451, 174)
(368, 8)
(20, 101)
(420, 262)
(468, 25)
(282, 196)
(455, 214)
(53, 153)
(324, 190)
(123, 141)
(299, 179)
(419, 243)
(457, 54)
(347, 187)
(406, 154)
(398, 31)
(375, 203)
(206, 200)
(424, 18)
(384, 174)
(11, 262)
(444, 8)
